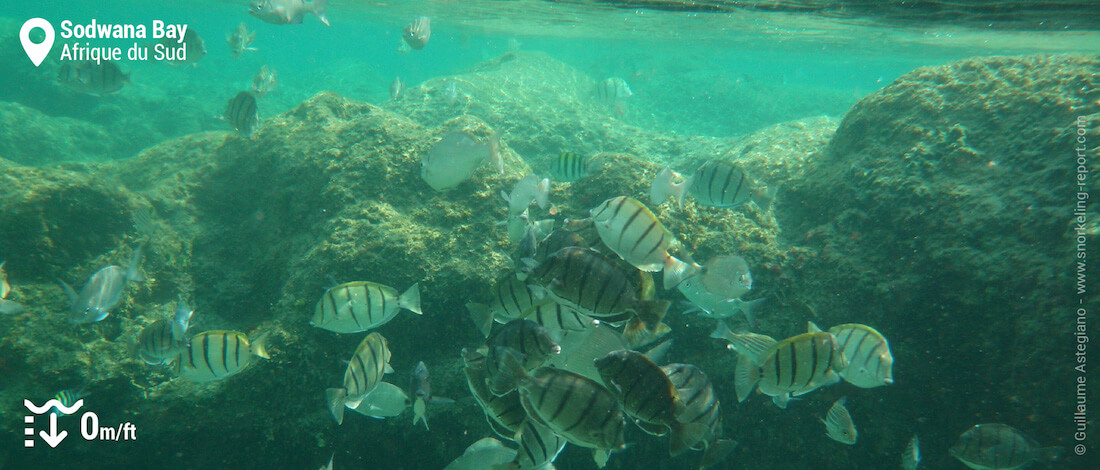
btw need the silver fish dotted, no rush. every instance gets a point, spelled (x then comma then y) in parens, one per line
(242, 113)
(239, 40)
(264, 81)
(417, 33)
(751, 345)
(717, 289)
(67, 398)
(716, 183)
(569, 167)
(557, 317)
(527, 190)
(422, 390)
(396, 88)
(161, 341)
(98, 78)
(358, 306)
(792, 367)
(215, 355)
(385, 401)
(451, 160)
(527, 338)
(287, 11)
(838, 424)
(870, 363)
(486, 453)
(1000, 447)
(910, 458)
(365, 370)
(103, 291)
(612, 91)
(631, 230)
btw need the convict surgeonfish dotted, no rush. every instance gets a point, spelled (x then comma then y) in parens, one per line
(527, 190)
(264, 81)
(385, 401)
(529, 339)
(288, 11)
(103, 291)
(751, 345)
(557, 317)
(365, 370)
(716, 291)
(612, 91)
(701, 419)
(504, 413)
(792, 367)
(360, 306)
(239, 40)
(538, 447)
(910, 457)
(162, 341)
(1000, 447)
(572, 405)
(568, 167)
(716, 183)
(87, 76)
(509, 299)
(629, 229)
(838, 423)
(592, 284)
(417, 33)
(215, 355)
(870, 363)
(451, 160)
(643, 389)
(242, 113)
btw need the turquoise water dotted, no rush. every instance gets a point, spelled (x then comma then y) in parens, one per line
(253, 237)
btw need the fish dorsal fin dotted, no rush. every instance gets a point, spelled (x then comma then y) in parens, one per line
(812, 327)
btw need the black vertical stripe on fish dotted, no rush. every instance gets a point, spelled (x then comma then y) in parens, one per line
(813, 362)
(583, 415)
(794, 363)
(629, 224)
(382, 300)
(225, 352)
(564, 400)
(206, 354)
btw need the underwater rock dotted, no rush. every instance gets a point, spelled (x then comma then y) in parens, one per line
(33, 138)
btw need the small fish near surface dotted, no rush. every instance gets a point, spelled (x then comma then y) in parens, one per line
(360, 306)
(422, 391)
(838, 424)
(216, 355)
(240, 40)
(716, 183)
(242, 113)
(451, 160)
(631, 230)
(792, 367)
(288, 11)
(103, 291)
(365, 370)
(161, 341)
(1000, 447)
(417, 33)
(265, 81)
(91, 77)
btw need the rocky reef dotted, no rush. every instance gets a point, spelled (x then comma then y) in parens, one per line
(933, 214)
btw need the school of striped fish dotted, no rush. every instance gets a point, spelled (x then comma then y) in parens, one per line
(561, 362)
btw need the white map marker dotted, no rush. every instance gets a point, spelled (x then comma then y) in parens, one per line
(36, 52)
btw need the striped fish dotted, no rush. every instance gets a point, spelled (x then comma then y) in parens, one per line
(1000, 447)
(716, 183)
(527, 338)
(367, 366)
(242, 113)
(572, 405)
(792, 367)
(509, 298)
(612, 91)
(701, 419)
(538, 445)
(161, 342)
(629, 229)
(594, 285)
(99, 78)
(360, 306)
(753, 346)
(568, 167)
(838, 423)
(215, 355)
(557, 317)
(504, 413)
(67, 398)
(910, 458)
(643, 389)
(870, 363)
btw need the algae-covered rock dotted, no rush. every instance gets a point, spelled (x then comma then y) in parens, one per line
(33, 138)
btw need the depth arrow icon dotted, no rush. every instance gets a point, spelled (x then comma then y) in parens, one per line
(53, 438)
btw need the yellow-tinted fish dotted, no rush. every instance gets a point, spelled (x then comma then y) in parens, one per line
(215, 355)
(634, 233)
(792, 367)
(360, 306)
(870, 363)
(838, 424)
(365, 370)
(242, 113)
(161, 342)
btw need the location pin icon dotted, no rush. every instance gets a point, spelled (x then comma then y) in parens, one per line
(36, 52)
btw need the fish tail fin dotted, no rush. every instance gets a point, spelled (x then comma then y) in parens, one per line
(663, 187)
(749, 309)
(482, 317)
(68, 291)
(494, 151)
(722, 331)
(259, 347)
(765, 196)
(745, 376)
(716, 451)
(675, 271)
(318, 7)
(637, 332)
(410, 300)
(133, 272)
(782, 400)
(677, 443)
(812, 327)
(542, 193)
(336, 399)
(651, 312)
